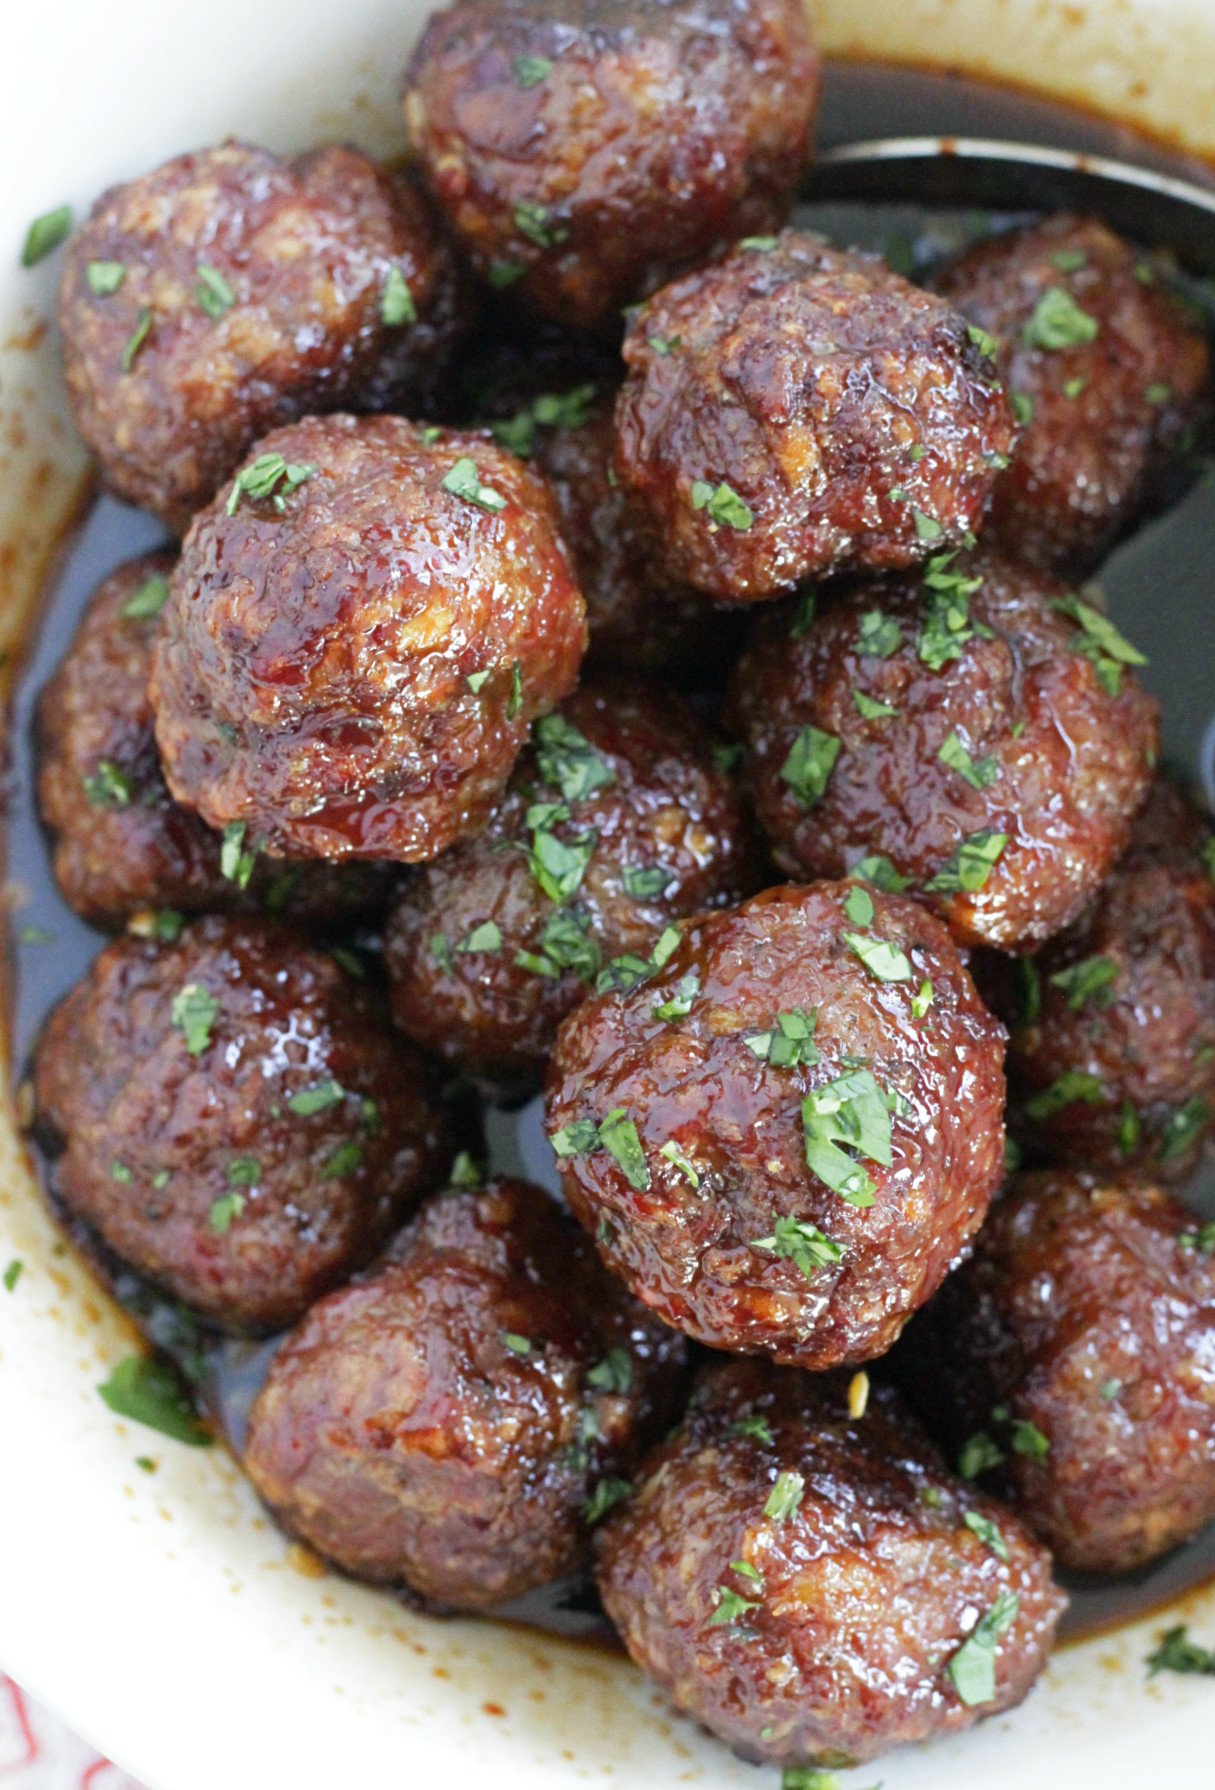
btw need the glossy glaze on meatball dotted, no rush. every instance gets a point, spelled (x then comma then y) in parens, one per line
(1073, 1358)
(234, 1116)
(784, 1139)
(586, 152)
(458, 1420)
(123, 846)
(795, 410)
(359, 638)
(1107, 372)
(617, 822)
(814, 1586)
(974, 733)
(638, 620)
(1112, 1053)
(230, 291)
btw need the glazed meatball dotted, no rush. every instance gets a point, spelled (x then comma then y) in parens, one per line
(1106, 370)
(1112, 1056)
(815, 1587)
(975, 733)
(586, 152)
(1072, 1357)
(229, 292)
(637, 619)
(456, 1421)
(354, 648)
(795, 410)
(234, 1118)
(616, 822)
(784, 1138)
(123, 846)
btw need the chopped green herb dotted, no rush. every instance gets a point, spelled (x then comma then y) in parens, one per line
(1073, 1086)
(870, 709)
(1109, 1390)
(121, 1173)
(476, 681)
(970, 866)
(797, 1241)
(466, 1171)
(531, 70)
(105, 277)
(465, 481)
(487, 937)
(347, 1159)
(566, 944)
(148, 598)
(1100, 642)
(927, 528)
(608, 1493)
(984, 341)
(1069, 260)
(147, 1391)
(757, 1428)
(878, 635)
(644, 882)
(262, 479)
(784, 1500)
(858, 905)
(137, 338)
(559, 865)
(614, 1373)
(566, 759)
(922, 1001)
(440, 949)
(980, 775)
(618, 1136)
(235, 863)
(988, 1533)
(108, 786)
(664, 345)
(532, 221)
(316, 1099)
(1177, 1653)
(1159, 393)
(45, 234)
(677, 1159)
(729, 1608)
(32, 934)
(551, 410)
(577, 1139)
(1028, 1440)
(224, 1210)
(1022, 407)
(213, 294)
(1091, 979)
(886, 962)
(504, 273)
(1184, 1128)
(761, 244)
(1130, 1126)
(1201, 1239)
(808, 767)
(973, 1666)
(803, 615)
(880, 871)
(514, 702)
(745, 1570)
(243, 1171)
(848, 1114)
(396, 300)
(678, 1004)
(12, 1274)
(1058, 322)
(723, 506)
(145, 1463)
(194, 1013)
(518, 1345)
(979, 1455)
(947, 627)
(789, 1043)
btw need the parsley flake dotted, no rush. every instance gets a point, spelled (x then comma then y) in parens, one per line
(396, 300)
(608, 1493)
(987, 344)
(810, 762)
(722, 505)
(678, 1004)
(618, 1136)
(1177, 1653)
(213, 294)
(848, 1114)
(1100, 642)
(970, 866)
(148, 598)
(881, 872)
(797, 1241)
(677, 1159)
(729, 1608)
(45, 235)
(262, 479)
(147, 1391)
(566, 759)
(108, 786)
(784, 1500)
(224, 1210)
(947, 626)
(980, 774)
(12, 1274)
(789, 1043)
(979, 1455)
(858, 905)
(988, 1533)
(886, 962)
(487, 938)
(1091, 979)
(1184, 1128)
(973, 1666)
(235, 863)
(757, 1428)
(347, 1159)
(1058, 322)
(464, 481)
(316, 1099)
(878, 635)
(614, 1373)
(1073, 1086)
(870, 709)
(532, 221)
(194, 1013)
(137, 338)
(531, 70)
(104, 277)
(518, 1345)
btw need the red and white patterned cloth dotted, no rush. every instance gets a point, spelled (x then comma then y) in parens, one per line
(38, 1753)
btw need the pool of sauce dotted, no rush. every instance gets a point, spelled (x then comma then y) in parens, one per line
(51, 947)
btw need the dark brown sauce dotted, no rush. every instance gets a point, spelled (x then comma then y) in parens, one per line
(51, 948)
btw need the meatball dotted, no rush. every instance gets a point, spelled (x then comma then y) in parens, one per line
(974, 733)
(814, 1586)
(583, 153)
(637, 619)
(359, 636)
(616, 822)
(784, 1138)
(1072, 1357)
(234, 1118)
(229, 292)
(123, 846)
(795, 410)
(457, 1420)
(1112, 1055)
(1106, 369)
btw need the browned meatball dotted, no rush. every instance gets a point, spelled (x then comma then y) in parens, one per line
(637, 619)
(231, 291)
(783, 1139)
(587, 151)
(1106, 370)
(355, 647)
(233, 1116)
(1074, 1354)
(457, 1421)
(795, 410)
(1112, 1057)
(813, 1586)
(974, 733)
(616, 822)
(123, 845)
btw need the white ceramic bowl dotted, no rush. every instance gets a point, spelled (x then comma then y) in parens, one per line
(164, 1616)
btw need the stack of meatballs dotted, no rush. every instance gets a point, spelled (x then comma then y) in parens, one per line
(662, 637)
